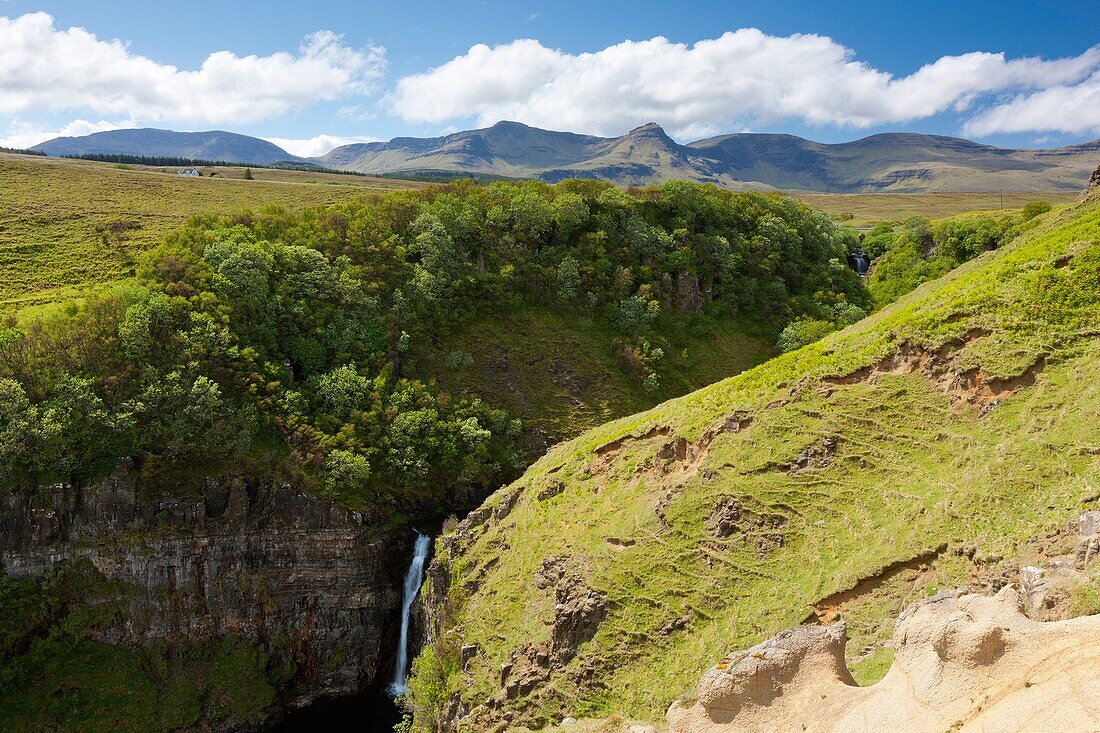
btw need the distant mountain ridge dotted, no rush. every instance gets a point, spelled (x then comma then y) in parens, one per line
(215, 145)
(888, 162)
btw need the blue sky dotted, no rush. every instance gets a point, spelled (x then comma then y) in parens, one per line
(1008, 73)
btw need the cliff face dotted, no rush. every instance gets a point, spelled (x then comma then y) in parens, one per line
(312, 585)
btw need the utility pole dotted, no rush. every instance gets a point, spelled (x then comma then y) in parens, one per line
(1002, 199)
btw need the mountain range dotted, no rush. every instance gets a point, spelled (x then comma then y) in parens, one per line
(889, 162)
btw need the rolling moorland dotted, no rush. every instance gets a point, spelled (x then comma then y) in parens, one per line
(289, 387)
(894, 162)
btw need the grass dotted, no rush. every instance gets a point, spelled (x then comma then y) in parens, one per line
(867, 209)
(560, 374)
(66, 224)
(912, 472)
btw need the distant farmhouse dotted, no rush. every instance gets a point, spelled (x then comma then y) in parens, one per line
(190, 172)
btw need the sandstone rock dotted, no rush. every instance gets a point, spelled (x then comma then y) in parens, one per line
(577, 615)
(1088, 538)
(504, 508)
(689, 298)
(755, 678)
(965, 663)
(467, 654)
(578, 612)
(1033, 586)
(819, 455)
(524, 672)
(549, 573)
(555, 488)
(730, 518)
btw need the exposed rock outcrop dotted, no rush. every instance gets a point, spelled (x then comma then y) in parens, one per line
(962, 663)
(1091, 187)
(314, 585)
(578, 612)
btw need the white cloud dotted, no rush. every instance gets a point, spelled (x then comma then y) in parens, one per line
(743, 78)
(1072, 108)
(46, 69)
(316, 146)
(24, 135)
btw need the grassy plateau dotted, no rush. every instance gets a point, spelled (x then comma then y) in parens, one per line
(69, 224)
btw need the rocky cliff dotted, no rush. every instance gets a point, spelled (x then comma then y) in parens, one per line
(314, 587)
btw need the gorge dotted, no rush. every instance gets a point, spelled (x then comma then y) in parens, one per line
(291, 392)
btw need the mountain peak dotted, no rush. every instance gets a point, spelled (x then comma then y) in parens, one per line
(649, 127)
(509, 124)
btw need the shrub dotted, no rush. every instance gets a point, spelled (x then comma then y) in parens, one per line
(802, 332)
(1036, 208)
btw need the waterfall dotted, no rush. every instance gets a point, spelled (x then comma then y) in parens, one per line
(413, 579)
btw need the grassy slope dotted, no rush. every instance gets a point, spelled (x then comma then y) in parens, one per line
(911, 472)
(560, 375)
(50, 210)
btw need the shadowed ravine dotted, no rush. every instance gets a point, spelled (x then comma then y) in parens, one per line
(374, 709)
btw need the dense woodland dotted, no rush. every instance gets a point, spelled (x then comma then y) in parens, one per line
(285, 337)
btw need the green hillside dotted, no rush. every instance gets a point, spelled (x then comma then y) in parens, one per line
(66, 224)
(935, 437)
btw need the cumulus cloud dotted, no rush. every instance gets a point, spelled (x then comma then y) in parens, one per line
(24, 135)
(316, 146)
(47, 69)
(1072, 109)
(743, 78)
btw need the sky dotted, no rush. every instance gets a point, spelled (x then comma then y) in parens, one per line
(313, 75)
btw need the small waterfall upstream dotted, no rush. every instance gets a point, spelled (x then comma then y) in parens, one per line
(413, 579)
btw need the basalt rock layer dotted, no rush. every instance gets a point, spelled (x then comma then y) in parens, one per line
(312, 585)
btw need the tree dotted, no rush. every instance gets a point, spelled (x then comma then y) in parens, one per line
(248, 174)
(569, 278)
(635, 315)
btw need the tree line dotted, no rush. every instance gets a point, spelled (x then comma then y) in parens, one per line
(284, 337)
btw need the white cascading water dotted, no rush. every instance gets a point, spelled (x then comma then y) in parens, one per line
(413, 579)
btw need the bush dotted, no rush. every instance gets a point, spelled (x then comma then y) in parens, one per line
(1035, 208)
(346, 474)
(802, 332)
(846, 313)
